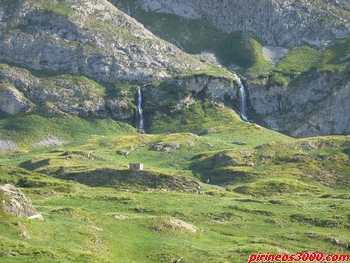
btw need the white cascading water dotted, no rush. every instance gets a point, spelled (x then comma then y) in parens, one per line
(242, 99)
(140, 125)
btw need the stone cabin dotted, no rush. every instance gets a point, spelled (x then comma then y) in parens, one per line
(136, 166)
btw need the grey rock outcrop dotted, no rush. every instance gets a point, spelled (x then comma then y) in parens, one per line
(16, 203)
(305, 108)
(276, 22)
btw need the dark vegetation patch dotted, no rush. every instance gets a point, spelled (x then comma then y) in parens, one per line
(126, 179)
(320, 222)
(251, 211)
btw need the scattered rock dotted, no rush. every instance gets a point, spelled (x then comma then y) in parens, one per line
(223, 158)
(96, 228)
(98, 245)
(171, 147)
(50, 141)
(25, 235)
(258, 127)
(190, 144)
(177, 223)
(50, 192)
(121, 217)
(167, 223)
(251, 164)
(209, 131)
(239, 143)
(6, 146)
(246, 153)
(65, 210)
(123, 153)
(337, 242)
(11, 253)
(157, 147)
(167, 147)
(36, 217)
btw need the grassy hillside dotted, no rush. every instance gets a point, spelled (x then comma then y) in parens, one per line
(284, 196)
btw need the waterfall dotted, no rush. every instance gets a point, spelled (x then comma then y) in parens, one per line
(242, 99)
(140, 125)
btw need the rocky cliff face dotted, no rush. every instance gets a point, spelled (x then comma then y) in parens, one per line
(89, 38)
(316, 104)
(276, 22)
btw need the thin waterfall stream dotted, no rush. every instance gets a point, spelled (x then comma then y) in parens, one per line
(242, 99)
(140, 123)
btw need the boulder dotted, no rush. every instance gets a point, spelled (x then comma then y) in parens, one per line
(15, 203)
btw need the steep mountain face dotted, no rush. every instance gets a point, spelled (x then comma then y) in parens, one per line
(276, 22)
(87, 59)
(89, 38)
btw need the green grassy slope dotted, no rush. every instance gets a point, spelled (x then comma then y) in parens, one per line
(29, 129)
(306, 59)
(284, 196)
